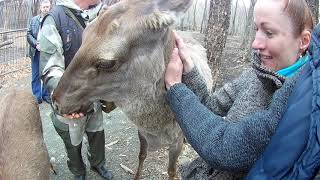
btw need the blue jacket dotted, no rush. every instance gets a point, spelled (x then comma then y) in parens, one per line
(32, 34)
(294, 150)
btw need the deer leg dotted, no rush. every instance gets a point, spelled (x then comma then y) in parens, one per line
(142, 154)
(174, 152)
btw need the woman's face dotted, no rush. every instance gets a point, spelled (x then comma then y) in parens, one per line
(274, 39)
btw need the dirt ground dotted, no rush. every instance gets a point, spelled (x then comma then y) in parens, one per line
(122, 146)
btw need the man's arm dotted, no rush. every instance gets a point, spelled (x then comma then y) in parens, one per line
(32, 40)
(52, 64)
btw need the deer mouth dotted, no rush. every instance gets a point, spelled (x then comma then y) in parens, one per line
(73, 112)
(82, 111)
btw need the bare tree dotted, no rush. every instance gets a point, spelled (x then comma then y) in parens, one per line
(35, 7)
(194, 16)
(216, 36)
(189, 20)
(204, 17)
(20, 13)
(314, 6)
(182, 23)
(2, 13)
(233, 23)
(249, 33)
(6, 14)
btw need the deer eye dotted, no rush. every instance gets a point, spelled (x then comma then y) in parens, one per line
(107, 65)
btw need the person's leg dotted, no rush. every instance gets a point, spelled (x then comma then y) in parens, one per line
(45, 94)
(96, 139)
(97, 154)
(75, 162)
(35, 82)
(96, 148)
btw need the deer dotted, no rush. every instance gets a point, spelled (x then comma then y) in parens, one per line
(122, 59)
(23, 154)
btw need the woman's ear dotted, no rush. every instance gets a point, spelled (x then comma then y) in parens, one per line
(305, 40)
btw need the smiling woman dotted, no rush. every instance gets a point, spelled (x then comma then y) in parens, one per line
(282, 34)
(231, 127)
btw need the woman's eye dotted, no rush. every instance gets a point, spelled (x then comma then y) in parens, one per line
(107, 65)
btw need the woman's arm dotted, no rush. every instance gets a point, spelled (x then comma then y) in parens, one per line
(226, 145)
(219, 101)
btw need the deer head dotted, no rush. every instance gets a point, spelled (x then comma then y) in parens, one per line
(122, 55)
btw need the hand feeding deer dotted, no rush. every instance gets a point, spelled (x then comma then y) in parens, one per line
(122, 59)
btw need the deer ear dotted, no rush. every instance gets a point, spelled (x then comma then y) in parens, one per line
(174, 6)
(158, 20)
(165, 11)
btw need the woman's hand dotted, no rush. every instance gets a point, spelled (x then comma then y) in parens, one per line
(183, 53)
(174, 70)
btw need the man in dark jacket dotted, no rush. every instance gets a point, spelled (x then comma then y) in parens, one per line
(32, 34)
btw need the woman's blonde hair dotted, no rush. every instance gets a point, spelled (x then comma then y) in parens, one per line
(300, 15)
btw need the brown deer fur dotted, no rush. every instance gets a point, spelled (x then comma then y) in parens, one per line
(23, 154)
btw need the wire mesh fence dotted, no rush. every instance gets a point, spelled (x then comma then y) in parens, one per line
(13, 49)
(14, 17)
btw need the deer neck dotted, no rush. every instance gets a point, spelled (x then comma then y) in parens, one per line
(155, 97)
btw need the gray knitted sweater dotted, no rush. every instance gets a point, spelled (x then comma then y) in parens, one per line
(231, 127)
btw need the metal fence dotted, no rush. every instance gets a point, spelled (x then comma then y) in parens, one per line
(14, 18)
(13, 49)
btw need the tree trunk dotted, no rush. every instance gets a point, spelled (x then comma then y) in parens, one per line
(204, 18)
(314, 6)
(189, 19)
(20, 14)
(194, 28)
(36, 6)
(182, 24)
(249, 34)
(233, 24)
(216, 36)
(7, 19)
(2, 19)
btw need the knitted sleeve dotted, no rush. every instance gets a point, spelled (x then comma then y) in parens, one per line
(226, 145)
(219, 101)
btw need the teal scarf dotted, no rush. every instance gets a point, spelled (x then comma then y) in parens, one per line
(289, 71)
